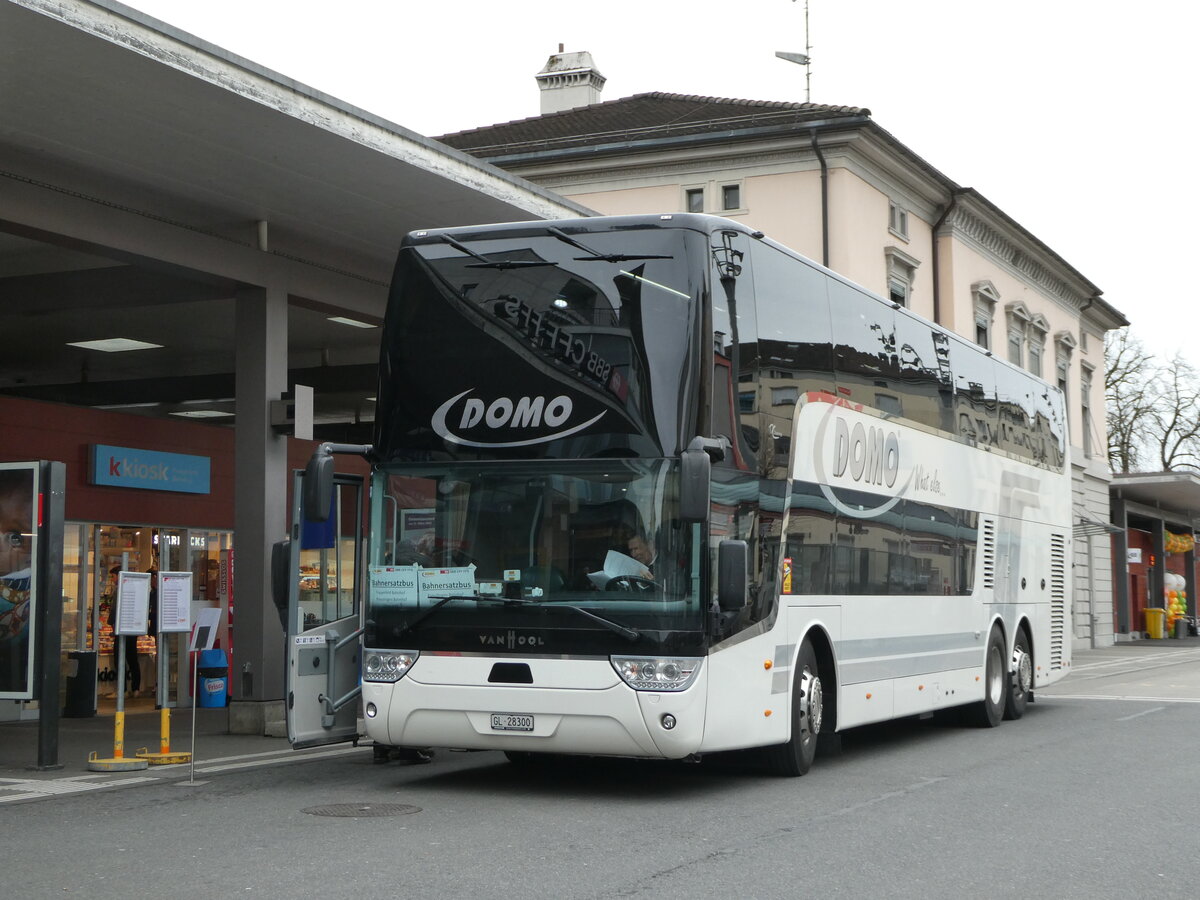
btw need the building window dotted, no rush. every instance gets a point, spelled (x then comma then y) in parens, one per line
(1064, 346)
(1036, 333)
(694, 200)
(901, 274)
(1085, 408)
(897, 221)
(1035, 359)
(1016, 345)
(731, 196)
(784, 396)
(1018, 328)
(985, 297)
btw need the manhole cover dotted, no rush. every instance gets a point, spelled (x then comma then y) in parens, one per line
(362, 810)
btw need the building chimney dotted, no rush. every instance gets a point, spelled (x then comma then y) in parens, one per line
(569, 80)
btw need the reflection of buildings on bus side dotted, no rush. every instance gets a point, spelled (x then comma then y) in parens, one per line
(766, 399)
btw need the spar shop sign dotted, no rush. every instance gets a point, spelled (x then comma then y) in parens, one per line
(150, 470)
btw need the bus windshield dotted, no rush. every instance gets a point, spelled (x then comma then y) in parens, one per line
(521, 548)
(532, 342)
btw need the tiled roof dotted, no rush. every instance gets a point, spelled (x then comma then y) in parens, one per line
(641, 116)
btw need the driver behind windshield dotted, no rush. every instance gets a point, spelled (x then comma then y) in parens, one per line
(641, 547)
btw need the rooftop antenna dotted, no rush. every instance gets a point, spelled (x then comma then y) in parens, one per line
(802, 59)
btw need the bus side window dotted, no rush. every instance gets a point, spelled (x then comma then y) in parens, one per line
(810, 539)
(864, 337)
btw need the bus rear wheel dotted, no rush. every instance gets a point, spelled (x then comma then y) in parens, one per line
(1021, 684)
(808, 709)
(990, 710)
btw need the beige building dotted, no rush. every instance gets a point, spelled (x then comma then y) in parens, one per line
(835, 186)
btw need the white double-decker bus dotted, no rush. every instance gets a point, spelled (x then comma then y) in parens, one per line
(659, 487)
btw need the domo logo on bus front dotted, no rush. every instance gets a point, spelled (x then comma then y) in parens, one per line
(505, 421)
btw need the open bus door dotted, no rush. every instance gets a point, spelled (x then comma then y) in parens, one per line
(324, 615)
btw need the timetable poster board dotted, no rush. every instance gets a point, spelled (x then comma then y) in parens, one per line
(133, 603)
(174, 602)
(18, 578)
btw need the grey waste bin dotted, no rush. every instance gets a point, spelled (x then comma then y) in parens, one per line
(80, 702)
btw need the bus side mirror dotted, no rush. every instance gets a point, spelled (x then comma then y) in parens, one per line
(733, 575)
(695, 477)
(318, 485)
(695, 482)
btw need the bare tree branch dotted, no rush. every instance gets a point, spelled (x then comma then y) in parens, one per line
(1129, 399)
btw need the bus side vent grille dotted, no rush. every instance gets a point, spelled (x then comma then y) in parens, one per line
(988, 552)
(1058, 599)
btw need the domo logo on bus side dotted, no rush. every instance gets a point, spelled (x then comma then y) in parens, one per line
(866, 454)
(869, 455)
(517, 422)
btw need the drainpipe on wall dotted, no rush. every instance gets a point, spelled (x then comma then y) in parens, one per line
(824, 199)
(937, 275)
(1091, 564)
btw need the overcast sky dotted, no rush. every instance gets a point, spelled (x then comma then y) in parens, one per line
(1076, 117)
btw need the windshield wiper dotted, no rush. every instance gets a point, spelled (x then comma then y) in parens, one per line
(441, 601)
(630, 634)
(485, 263)
(593, 254)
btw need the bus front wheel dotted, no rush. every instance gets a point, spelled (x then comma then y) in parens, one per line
(808, 708)
(990, 710)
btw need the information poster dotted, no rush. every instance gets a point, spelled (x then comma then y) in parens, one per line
(133, 603)
(174, 601)
(18, 580)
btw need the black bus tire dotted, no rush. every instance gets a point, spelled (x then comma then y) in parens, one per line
(808, 706)
(990, 710)
(1021, 683)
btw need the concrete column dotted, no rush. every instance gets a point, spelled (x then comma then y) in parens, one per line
(1189, 575)
(1120, 566)
(1158, 540)
(260, 491)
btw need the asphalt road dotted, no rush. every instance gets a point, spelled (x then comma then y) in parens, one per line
(1093, 794)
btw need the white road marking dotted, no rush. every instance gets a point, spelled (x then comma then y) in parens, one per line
(14, 789)
(1046, 695)
(1144, 712)
(40, 789)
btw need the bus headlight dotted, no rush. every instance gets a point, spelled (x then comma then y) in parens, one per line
(657, 673)
(387, 665)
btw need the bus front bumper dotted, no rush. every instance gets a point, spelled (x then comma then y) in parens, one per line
(598, 715)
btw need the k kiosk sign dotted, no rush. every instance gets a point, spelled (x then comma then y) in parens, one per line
(149, 469)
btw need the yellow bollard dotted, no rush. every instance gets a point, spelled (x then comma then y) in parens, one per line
(164, 756)
(119, 734)
(117, 762)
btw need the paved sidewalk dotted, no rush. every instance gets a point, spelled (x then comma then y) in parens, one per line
(216, 751)
(77, 738)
